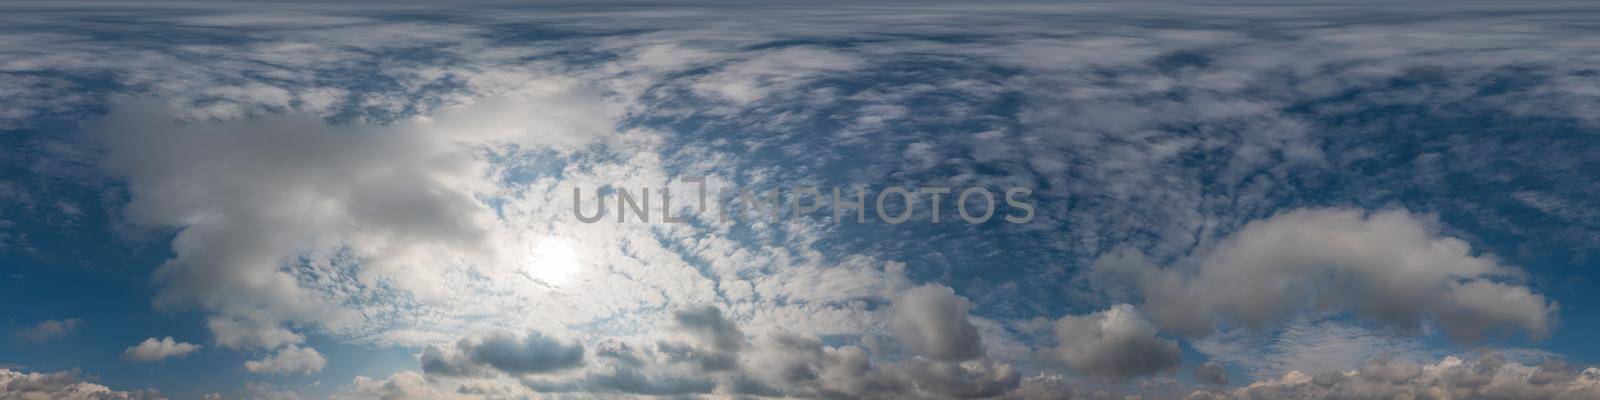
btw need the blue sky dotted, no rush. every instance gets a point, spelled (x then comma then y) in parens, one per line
(337, 200)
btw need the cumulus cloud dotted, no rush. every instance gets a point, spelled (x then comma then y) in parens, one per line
(1486, 377)
(152, 349)
(248, 333)
(50, 329)
(255, 200)
(1392, 267)
(1117, 343)
(932, 321)
(64, 385)
(506, 352)
(288, 361)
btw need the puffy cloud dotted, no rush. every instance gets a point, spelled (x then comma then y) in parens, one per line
(288, 360)
(151, 350)
(50, 329)
(1392, 267)
(506, 352)
(1211, 373)
(1116, 343)
(247, 333)
(64, 385)
(931, 321)
(1487, 377)
(258, 201)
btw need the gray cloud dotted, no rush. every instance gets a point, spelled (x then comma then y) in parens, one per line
(505, 352)
(1392, 267)
(1211, 374)
(706, 338)
(708, 353)
(50, 330)
(1117, 343)
(931, 321)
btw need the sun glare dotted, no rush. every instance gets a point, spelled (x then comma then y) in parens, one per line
(555, 262)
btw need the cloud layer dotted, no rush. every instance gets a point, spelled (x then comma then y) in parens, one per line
(1487, 377)
(1262, 185)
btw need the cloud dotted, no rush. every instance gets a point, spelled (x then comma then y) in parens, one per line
(1117, 343)
(765, 73)
(256, 202)
(151, 350)
(1308, 345)
(50, 330)
(1391, 267)
(403, 385)
(1211, 374)
(704, 352)
(288, 361)
(799, 366)
(931, 321)
(257, 391)
(1486, 377)
(246, 333)
(506, 352)
(1164, 136)
(704, 337)
(64, 385)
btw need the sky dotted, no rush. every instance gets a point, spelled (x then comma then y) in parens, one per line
(1188, 201)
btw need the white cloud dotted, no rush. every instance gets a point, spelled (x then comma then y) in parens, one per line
(288, 361)
(152, 349)
(64, 385)
(251, 197)
(765, 73)
(246, 333)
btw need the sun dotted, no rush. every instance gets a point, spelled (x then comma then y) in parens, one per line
(555, 262)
